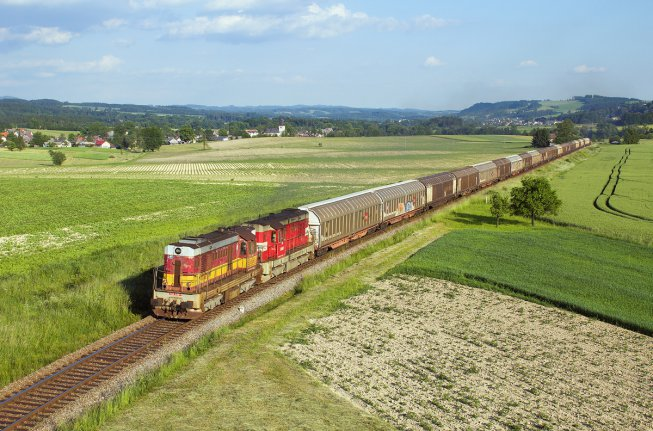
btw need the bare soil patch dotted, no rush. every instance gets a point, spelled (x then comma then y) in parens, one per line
(426, 353)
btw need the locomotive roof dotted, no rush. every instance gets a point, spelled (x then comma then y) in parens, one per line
(279, 220)
(217, 238)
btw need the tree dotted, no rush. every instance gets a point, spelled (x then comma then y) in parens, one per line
(631, 136)
(540, 138)
(151, 138)
(223, 132)
(38, 139)
(565, 132)
(534, 198)
(186, 133)
(58, 157)
(499, 205)
(15, 142)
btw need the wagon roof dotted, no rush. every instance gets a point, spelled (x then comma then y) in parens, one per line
(485, 166)
(397, 190)
(440, 178)
(331, 208)
(502, 161)
(467, 170)
(514, 158)
(279, 220)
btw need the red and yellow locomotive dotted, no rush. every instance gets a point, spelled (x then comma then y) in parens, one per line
(200, 273)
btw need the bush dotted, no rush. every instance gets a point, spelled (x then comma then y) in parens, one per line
(58, 157)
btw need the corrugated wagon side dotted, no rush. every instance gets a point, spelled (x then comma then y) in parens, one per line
(487, 173)
(401, 200)
(503, 167)
(440, 188)
(467, 180)
(516, 164)
(335, 222)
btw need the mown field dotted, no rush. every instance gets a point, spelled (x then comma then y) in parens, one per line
(362, 161)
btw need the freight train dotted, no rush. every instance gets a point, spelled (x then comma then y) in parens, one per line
(202, 272)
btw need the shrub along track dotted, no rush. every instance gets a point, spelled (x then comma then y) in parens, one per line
(602, 201)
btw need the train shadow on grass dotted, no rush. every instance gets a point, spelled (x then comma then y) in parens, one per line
(139, 289)
(478, 220)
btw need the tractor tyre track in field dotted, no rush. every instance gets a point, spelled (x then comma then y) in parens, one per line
(602, 201)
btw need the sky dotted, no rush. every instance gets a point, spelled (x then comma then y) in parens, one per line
(429, 54)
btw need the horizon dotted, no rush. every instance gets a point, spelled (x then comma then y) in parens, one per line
(359, 54)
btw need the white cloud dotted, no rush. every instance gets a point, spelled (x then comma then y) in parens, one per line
(42, 35)
(433, 62)
(48, 36)
(258, 18)
(242, 5)
(113, 23)
(36, 2)
(428, 21)
(314, 22)
(528, 63)
(224, 24)
(105, 63)
(327, 22)
(583, 68)
(151, 4)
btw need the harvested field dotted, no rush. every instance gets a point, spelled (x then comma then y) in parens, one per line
(456, 357)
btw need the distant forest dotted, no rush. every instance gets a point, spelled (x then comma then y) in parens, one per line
(599, 115)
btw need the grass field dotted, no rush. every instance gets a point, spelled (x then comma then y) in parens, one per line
(85, 236)
(341, 160)
(76, 271)
(581, 180)
(577, 270)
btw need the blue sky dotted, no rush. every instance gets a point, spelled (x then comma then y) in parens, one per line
(402, 54)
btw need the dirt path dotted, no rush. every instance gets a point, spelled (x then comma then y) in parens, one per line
(425, 353)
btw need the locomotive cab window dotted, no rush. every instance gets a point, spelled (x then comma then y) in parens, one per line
(243, 248)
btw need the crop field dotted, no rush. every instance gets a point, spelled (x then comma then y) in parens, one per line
(426, 354)
(597, 276)
(619, 173)
(365, 161)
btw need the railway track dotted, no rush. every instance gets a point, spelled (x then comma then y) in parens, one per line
(30, 406)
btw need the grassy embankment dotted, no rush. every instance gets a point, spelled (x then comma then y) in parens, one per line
(77, 242)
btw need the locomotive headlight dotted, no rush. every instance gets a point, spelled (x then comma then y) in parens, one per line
(177, 250)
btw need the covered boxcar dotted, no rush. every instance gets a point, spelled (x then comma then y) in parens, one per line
(401, 200)
(440, 188)
(528, 160)
(467, 180)
(202, 272)
(536, 157)
(334, 222)
(487, 173)
(516, 164)
(503, 168)
(282, 242)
